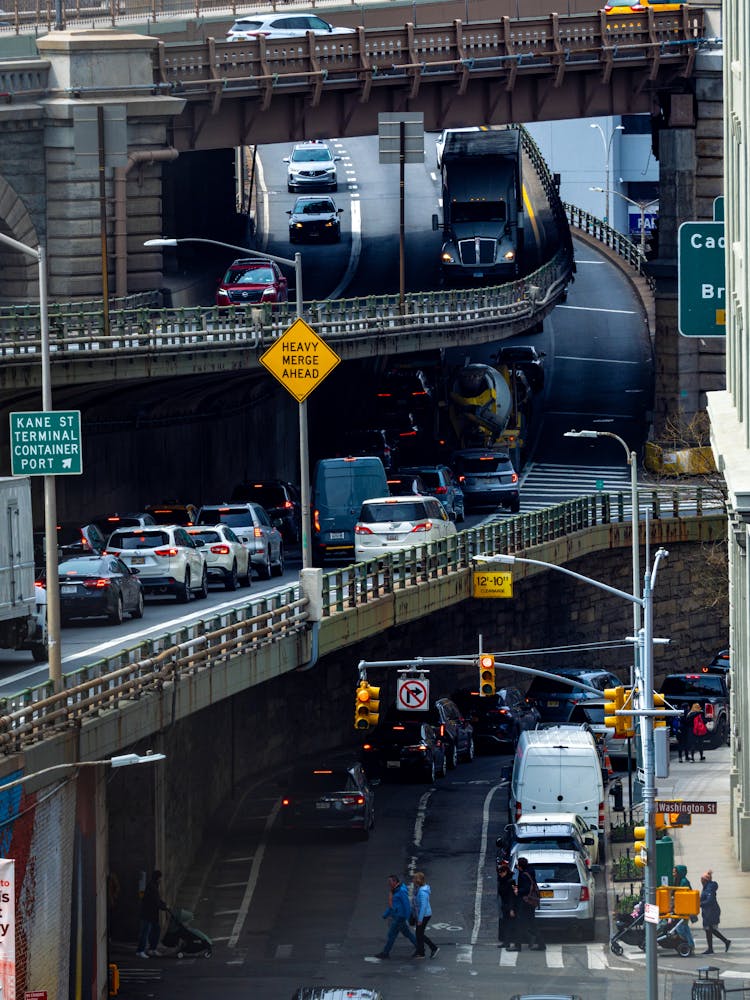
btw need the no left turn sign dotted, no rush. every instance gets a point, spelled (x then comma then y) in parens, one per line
(413, 694)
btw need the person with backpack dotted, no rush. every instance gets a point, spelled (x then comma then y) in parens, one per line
(398, 911)
(524, 910)
(696, 727)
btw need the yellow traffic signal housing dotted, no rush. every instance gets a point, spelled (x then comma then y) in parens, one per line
(674, 901)
(640, 859)
(486, 675)
(622, 724)
(659, 702)
(366, 706)
(679, 819)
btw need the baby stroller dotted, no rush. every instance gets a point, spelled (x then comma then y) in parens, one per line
(630, 929)
(184, 940)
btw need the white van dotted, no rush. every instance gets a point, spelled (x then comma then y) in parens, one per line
(557, 770)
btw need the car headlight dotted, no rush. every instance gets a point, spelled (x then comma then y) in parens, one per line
(329, 223)
(509, 255)
(295, 225)
(448, 256)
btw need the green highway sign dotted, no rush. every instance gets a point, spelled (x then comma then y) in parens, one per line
(46, 443)
(701, 271)
(719, 208)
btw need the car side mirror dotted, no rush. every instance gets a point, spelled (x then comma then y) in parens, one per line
(289, 211)
(134, 571)
(336, 159)
(340, 210)
(589, 841)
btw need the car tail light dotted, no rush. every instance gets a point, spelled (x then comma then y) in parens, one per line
(708, 710)
(407, 434)
(220, 550)
(514, 477)
(423, 526)
(353, 800)
(601, 816)
(257, 533)
(361, 529)
(287, 505)
(442, 729)
(165, 552)
(518, 811)
(285, 802)
(316, 520)
(440, 490)
(367, 746)
(585, 895)
(96, 583)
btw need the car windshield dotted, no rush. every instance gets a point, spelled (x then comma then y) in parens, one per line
(266, 496)
(593, 714)
(234, 518)
(478, 211)
(320, 207)
(205, 537)
(544, 685)
(481, 463)
(320, 781)
(707, 685)
(167, 515)
(406, 733)
(84, 567)
(314, 154)
(138, 539)
(556, 871)
(249, 276)
(246, 25)
(431, 480)
(558, 842)
(380, 513)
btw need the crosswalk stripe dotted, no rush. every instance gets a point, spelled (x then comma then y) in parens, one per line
(509, 959)
(464, 953)
(597, 957)
(554, 956)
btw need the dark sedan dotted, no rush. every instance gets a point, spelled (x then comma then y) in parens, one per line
(99, 586)
(330, 796)
(251, 281)
(409, 748)
(316, 219)
(497, 720)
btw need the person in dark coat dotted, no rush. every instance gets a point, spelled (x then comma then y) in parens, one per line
(525, 913)
(711, 912)
(682, 735)
(151, 905)
(506, 898)
(694, 742)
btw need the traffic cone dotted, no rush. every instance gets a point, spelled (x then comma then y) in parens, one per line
(608, 763)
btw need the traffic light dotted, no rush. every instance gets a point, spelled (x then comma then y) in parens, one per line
(366, 706)
(622, 724)
(659, 702)
(640, 858)
(486, 675)
(679, 819)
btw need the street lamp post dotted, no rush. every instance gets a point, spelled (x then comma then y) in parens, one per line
(121, 760)
(303, 438)
(641, 206)
(607, 145)
(54, 656)
(646, 712)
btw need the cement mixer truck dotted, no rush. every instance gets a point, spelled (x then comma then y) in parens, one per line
(487, 406)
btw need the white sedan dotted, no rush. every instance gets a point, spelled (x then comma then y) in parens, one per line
(227, 559)
(289, 25)
(387, 524)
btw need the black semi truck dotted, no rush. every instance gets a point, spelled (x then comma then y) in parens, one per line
(483, 216)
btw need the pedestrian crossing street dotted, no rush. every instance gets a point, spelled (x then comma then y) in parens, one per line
(546, 484)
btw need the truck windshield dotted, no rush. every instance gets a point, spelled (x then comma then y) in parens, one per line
(478, 211)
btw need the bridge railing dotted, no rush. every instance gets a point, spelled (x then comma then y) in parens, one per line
(604, 233)
(36, 712)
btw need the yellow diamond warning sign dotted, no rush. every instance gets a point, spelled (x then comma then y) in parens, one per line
(300, 360)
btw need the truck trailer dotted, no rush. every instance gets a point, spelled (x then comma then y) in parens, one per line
(23, 608)
(483, 216)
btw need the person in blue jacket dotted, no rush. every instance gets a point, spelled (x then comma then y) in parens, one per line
(399, 910)
(422, 912)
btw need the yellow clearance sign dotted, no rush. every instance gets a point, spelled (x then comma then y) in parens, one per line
(300, 360)
(493, 584)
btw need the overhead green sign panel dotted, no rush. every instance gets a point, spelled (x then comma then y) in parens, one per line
(701, 270)
(46, 443)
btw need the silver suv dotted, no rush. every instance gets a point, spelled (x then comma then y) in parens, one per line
(252, 525)
(487, 478)
(165, 557)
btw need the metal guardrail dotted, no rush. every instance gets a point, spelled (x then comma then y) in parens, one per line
(36, 712)
(604, 233)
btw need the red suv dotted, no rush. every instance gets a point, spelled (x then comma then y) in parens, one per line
(249, 281)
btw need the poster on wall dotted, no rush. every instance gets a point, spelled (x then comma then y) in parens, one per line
(7, 929)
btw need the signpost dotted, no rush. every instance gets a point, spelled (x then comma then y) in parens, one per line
(701, 272)
(693, 808)
(46, 443)
(299, 360)
(413, 694)
(401, 140)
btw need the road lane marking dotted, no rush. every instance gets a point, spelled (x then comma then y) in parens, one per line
(355, 214)
(481, 861)
(508, 958)
(554, 956)
(464, 953)
(596, 309)
(252, 881)
(597, 958)
(599, 361)
(532, 217)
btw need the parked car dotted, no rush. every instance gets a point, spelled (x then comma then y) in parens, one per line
(173, 513)
(487, 478)
(710, 691)
(400, 485)
(107, 523)
(497, 720)
(314, 219)
(312, 165)
(280, 500)
(253, 527)
(721, 661)
(524, 358)
(387, 524)
(332, 795)
(290, 25)
(439, 482)
(543, 834)
(455, 731)
(251, 280)
(97, 586)
(405, 747)
(555, 699)
(166, 558)
(567, 888)
(590, 712)
(227, 559)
